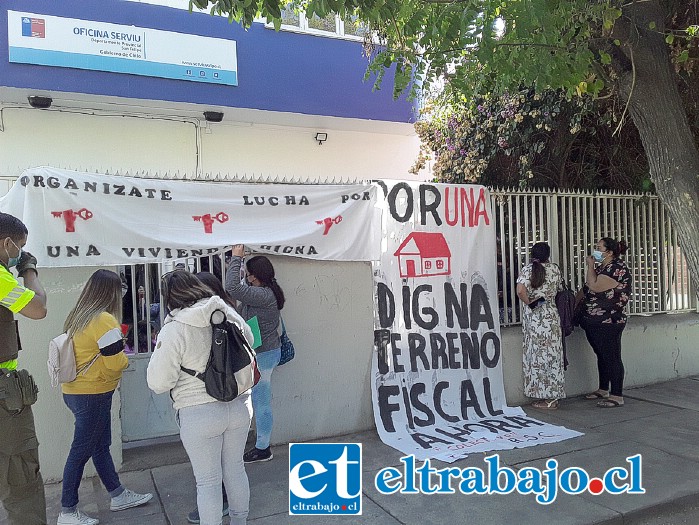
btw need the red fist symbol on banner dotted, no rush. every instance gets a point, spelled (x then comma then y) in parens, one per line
(328, 222)
(209, 220)
(69, 217)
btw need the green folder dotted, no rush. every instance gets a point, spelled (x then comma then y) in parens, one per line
(255, 327)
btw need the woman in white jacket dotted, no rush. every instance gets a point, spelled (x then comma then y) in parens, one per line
(212, 432)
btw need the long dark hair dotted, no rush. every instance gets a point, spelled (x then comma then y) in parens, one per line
(210, 280)
(261, 268)
(182, 289)
(540, 254)
(618, 248)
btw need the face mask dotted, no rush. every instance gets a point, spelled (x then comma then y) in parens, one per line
(12, 261)
(598, 255)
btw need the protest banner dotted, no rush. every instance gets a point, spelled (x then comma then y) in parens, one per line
(88, 219)
(437, 382)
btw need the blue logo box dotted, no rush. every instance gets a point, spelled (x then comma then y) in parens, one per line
(325, 479)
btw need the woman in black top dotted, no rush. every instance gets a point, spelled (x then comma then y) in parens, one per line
(606, 292)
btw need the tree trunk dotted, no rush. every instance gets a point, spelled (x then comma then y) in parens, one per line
(656, 108)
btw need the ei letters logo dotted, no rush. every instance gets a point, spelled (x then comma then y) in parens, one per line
(325, 479)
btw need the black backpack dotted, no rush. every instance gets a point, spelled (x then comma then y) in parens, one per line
(565, 303)
(232, 368)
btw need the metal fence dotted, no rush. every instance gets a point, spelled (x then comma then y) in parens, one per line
(572, 222)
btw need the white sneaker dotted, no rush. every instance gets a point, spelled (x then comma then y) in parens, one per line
(128, 499)
(76, 518)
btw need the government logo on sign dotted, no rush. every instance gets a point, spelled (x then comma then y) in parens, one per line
(325, 478)
(33, 27)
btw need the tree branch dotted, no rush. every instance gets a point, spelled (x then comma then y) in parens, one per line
(628, 100)
(398, 33)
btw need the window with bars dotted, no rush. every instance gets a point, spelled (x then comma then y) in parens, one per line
(143, 311)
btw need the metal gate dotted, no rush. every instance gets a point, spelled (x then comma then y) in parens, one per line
(145, 415)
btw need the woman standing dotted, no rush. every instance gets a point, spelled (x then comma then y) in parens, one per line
(537, 285)
(213, 282)
(99, 355)
(213, 432)
(261, 297)
(606, 292)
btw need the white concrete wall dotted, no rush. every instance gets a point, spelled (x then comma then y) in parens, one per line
(334, 391)
(654, 348)
(138, 144)
(325, 390)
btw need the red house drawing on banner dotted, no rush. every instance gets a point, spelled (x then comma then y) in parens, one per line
(424, 254)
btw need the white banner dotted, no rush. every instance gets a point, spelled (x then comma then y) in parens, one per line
(84, 219)
(437, 381)
(87, 44)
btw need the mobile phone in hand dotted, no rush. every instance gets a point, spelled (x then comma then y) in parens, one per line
(538, 302)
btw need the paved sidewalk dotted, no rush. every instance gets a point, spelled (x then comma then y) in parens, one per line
(661, 422)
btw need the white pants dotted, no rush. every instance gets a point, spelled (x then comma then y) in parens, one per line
(214, 436)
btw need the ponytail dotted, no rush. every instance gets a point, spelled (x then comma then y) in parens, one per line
(278, 294)
(618, 248)
(623, 247)
(540, 254)
(261, 267)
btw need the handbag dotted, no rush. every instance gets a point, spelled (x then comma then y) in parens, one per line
(565, 303)
(287, 346)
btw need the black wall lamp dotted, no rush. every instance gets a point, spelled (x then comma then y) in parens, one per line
(213, 116)
(321, 137)
(40, 102)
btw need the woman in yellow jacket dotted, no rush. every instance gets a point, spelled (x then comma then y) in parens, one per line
(99, 356)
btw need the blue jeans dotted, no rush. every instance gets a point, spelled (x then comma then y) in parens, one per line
(262, 396)
(92, 438)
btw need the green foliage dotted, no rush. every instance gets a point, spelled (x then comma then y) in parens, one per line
(480, 46)
(530, 139)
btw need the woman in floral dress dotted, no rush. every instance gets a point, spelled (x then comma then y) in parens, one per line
(607, 290)
(537, 285)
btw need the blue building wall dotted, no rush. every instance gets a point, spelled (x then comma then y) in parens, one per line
(278, 71)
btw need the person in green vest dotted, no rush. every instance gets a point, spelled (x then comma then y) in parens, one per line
(21, 485)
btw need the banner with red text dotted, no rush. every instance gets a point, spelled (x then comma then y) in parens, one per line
(437, 383)
(87, 219)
